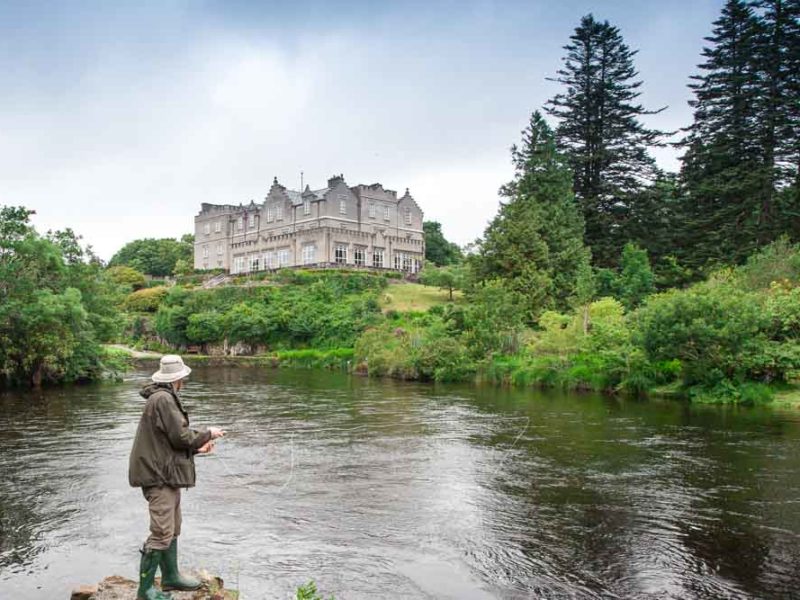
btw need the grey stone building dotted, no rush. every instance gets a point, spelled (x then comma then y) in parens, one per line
(365, 226)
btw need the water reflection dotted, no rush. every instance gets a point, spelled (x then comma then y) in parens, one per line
(394, 490)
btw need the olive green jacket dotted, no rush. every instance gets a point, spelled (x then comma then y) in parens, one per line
(164, 447)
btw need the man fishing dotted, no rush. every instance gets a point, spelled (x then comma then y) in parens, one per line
(161, 463)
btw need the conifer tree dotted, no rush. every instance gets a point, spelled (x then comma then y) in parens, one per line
(721, 171)
(742, 146)
(535, 243)
(778, 39)
(601, 132)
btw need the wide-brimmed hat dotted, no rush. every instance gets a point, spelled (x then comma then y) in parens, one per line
(171, 369)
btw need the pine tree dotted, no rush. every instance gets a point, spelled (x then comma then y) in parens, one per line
(723, 172)
(601, 132)
(535, 243)
(778, 104)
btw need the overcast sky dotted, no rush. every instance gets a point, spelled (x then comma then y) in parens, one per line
(118, 119)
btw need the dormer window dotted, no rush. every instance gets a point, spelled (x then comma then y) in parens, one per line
(306, 206)
(251, 221)
(270, 215)
(371, 210)
(240, 223)
(408, 215)
(342, 205)
(279, 212)
(386, 213)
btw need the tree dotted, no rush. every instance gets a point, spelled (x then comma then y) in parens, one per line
(601, 133)
(721, 170)
(54, 304)
(127, 276)
(154, 257)
(437, 249)
(636, 279)
(742, 147)
(778, 60)
(535, 243)
(450, 277)
(182, 267)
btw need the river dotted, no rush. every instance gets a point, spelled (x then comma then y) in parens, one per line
(382, 489)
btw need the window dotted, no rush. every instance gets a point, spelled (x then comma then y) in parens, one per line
(254, 263)
(371, 210)
(386, 213)
(219, 248)
(279, 212)
(238, 264)
(342, 204)
(406, 262)
(268, 262)
(340, 254)
(217, 226)
(309, 254)
(408, 215)
(360, 256)
(283, 257)
(240, 224)
(251, 221)
(306, 206)
(205, 251)
(270, 215)
(398, 261)
(377, 258)
(207, 228)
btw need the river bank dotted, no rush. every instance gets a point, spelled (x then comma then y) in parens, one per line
(497, 374)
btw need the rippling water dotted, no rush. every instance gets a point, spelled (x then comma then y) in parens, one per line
(389, 490)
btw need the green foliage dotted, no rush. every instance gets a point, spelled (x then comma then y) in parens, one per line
(319, 310)
(437, 249)
(127, 276)
(493, 320)
(56, 304)
(636, 279)
(182, 267)
(309, 592)
(155, 257)
(145, 300)
(205, 327)
(601, 132)
(424, 347)
(450, 278)
(633, 282)
(334, 358)
(535, 243)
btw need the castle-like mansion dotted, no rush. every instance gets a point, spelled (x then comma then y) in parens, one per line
(362, 226)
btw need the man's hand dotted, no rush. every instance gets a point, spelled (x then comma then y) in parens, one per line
(215, 432)
(206, 448)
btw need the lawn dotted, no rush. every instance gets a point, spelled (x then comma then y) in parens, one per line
(404, 297)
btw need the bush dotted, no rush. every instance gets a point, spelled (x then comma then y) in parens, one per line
(145, 300)
(724, 334)
(127, 276)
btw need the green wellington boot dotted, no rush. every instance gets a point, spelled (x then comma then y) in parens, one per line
(171, 578)
(148, 565)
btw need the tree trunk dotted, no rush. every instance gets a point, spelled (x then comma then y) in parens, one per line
(36, 376)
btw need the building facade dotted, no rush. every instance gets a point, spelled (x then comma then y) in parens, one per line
(365, 226)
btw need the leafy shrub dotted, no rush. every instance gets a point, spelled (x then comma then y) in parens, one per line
(145, 300)
(127, 276)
